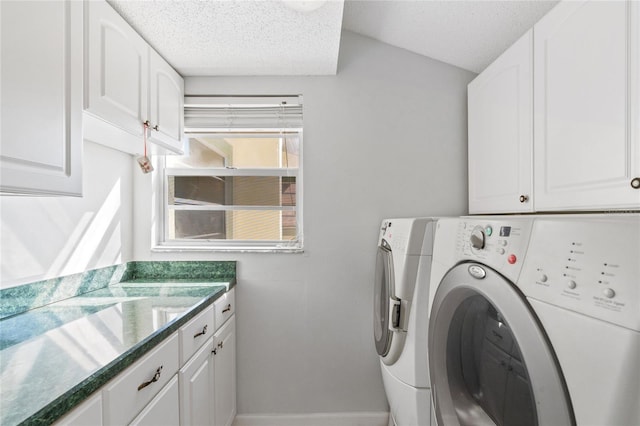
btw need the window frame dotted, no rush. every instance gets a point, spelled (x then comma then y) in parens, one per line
(162, 241)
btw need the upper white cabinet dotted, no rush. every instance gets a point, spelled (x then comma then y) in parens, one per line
(127, 84)
(41, 97)
(166, 102)
(500, 133)
(587, 120)
(585, 136)
(117, 69)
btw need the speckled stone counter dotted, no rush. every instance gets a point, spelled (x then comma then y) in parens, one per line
(55, 355)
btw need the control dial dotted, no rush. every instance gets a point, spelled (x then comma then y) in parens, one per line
(477, 238)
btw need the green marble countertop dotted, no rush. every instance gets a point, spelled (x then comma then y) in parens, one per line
(53, 357)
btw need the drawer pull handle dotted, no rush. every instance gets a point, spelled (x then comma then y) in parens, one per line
(524, 198)
(204, 331)
(155, 378)
(227, 309)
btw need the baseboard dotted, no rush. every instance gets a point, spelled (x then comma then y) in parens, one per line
(318, 419)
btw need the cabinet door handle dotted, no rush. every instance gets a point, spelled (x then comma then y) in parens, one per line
(204, 331)
(154, 379)
(155, 128)
(524, 198)
(215, 351)
(227, 309)
(221, 344)
(635, 183)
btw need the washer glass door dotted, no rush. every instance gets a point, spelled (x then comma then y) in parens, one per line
(490, 362)
(383, 289)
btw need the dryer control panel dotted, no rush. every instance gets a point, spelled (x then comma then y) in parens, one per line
(589, 264)
(500, 243)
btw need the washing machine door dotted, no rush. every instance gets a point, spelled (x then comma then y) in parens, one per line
(383, 289)
(490, 361)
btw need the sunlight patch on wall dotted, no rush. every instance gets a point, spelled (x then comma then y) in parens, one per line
(85, 243)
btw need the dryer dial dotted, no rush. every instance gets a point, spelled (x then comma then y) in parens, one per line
(477, 238)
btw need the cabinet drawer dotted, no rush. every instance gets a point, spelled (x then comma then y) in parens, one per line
(163, 410)
(194, 333)
(87, 413)
(126, 396)
(225, 306)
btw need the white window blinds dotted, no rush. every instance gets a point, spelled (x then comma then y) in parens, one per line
(204, 114)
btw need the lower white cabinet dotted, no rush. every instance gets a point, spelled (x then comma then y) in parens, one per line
(208, 381)
(87, 413)
(164, 409)
(161, 389)
(224, 374)
(196, 388)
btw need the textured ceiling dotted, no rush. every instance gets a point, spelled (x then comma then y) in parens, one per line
(302, 37)
(468, 34)
(240, 37)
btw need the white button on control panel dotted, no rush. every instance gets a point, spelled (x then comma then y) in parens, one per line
(571, 284)
(609, 293)
(502, 242)
(543, 278)
(501, 250)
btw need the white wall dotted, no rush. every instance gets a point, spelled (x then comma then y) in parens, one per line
(48, 237)
(386, 137)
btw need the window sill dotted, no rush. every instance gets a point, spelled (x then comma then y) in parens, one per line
(202, 249)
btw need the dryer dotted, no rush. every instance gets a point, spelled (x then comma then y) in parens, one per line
(403, 268)
(535, 320)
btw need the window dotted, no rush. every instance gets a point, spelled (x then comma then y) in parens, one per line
(238, 185)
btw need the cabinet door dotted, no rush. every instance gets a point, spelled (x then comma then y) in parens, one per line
(196, 388)
(166, 102)
(116, 69)
(224, 377)
(500, 133)
(587, 118)
(41, 97)
(164, 409)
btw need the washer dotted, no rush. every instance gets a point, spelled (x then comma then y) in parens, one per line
(536, 321)
(403, 268)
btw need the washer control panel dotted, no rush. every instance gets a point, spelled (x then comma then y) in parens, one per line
(500, 243)
(590, 265)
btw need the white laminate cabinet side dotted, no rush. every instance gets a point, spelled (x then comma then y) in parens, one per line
(224, 377)
(586, 79)
(41, 98)
(196, 388)
(122, 400)
(195, 333)
(500, 102)
(87, 413)
(225, 307)
(164, 409)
